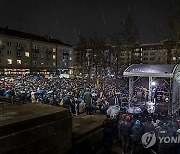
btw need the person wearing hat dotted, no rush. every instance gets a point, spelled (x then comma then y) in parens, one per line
(125, 131)
(137, 132)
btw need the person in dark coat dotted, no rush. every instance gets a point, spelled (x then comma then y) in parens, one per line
(88, 100)
(108, 126)
(148, 126)
(163, 148)
(67, 102)
(125, 131)
(137, 132)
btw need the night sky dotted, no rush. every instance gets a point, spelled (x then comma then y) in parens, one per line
(65, 19)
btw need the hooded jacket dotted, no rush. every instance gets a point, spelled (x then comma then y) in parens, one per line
(125, 128)
(137, 132)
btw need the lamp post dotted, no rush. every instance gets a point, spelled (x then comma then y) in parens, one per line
(150, 89)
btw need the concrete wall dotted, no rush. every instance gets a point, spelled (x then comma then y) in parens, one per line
(45, 133)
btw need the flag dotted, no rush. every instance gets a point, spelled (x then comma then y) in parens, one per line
(61, 103)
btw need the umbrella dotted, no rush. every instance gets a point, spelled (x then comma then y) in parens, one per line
(113, 111)
(79, 100)
(133, 110)
(40, 91)
(6, 92)
(50, 92)
(94, 94)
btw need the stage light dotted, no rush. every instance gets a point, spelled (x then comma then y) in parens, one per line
(153, 83)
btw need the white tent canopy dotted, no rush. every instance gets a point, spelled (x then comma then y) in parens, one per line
(146, 70)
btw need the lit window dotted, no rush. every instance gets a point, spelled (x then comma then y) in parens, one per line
(54, 64)
(70, 71)
(18, 61)
(42, 63)
(70, 58)
(137, 54)
(174, 58)
(9, 61)
(54, 49)
(54, 56)
(26, 54)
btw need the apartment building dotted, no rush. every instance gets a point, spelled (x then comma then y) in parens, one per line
(112, 59)
(117, 58)
(175, 54)
(154, 53)
(66, 59)
(22, 53)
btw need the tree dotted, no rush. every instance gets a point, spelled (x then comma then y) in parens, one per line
(129, 33)
(125, 40)
(96, 55)
(173, 32)
(81, 53)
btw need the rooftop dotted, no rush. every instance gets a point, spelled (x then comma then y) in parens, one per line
(146, 70)
(15, 33)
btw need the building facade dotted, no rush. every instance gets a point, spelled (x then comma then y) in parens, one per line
(155, 53)
(116, 58)
(22, 53)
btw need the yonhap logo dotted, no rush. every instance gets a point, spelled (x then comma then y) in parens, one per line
(148, 139)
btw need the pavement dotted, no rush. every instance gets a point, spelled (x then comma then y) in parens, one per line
(84, 125)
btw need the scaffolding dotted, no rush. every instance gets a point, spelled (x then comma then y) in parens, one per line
(168, 71)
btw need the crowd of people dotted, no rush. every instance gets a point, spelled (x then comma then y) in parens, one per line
(127, 130)
(82, 94)
(67, 92)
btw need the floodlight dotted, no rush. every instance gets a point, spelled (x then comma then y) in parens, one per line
(153, 83)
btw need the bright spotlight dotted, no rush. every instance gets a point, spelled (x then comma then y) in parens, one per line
(153, 83)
